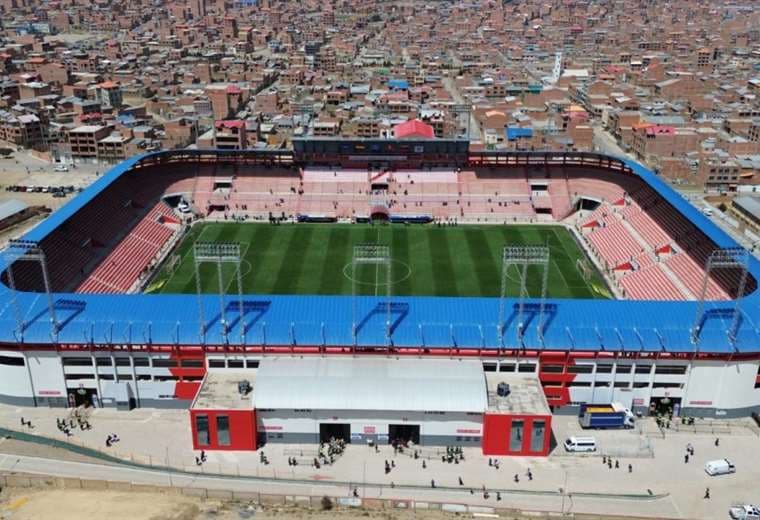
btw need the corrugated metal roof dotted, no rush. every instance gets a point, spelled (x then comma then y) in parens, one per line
(331, 383)
(463, 323)
(11, 207)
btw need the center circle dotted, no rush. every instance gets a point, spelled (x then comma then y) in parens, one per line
(400, 271)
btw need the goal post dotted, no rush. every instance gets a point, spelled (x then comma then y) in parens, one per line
(378, 257)
(584, 268)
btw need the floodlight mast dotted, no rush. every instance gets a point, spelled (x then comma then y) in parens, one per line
(219, 253)
(29, 251)
(522, 257)
(727, 258)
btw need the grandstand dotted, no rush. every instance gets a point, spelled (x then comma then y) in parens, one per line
(175, 264)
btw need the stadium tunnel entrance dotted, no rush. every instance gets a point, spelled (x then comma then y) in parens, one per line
(403, 433)
(335, 431)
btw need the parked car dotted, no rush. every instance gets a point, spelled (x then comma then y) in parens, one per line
(719, 467)
(744, 512)
(61, 168)
(580, 444)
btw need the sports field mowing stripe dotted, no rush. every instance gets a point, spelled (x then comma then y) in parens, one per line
(441, 261)
(444, 281)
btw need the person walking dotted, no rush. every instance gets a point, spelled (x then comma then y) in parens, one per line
(707, 493)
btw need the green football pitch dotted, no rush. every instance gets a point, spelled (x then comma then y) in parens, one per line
(427, 260)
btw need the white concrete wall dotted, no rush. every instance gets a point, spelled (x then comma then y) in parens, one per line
(721, 385)
(14, 380)
(47, 374)
(370, 422)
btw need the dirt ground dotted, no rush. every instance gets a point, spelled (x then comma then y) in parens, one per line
(25, 504)
(65, 504)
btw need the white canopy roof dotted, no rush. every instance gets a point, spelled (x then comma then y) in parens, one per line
(390, 384)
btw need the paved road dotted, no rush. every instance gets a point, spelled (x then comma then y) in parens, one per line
(450, 86)
(605, 143)
(556, 502)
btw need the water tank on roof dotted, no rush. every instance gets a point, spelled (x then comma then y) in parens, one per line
(502, 389)
(244, 387)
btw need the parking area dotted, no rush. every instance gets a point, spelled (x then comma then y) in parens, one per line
(585, 482)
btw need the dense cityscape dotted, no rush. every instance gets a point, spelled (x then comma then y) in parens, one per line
(379, 258)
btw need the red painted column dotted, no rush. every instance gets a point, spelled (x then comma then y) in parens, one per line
(497, 429)
(241, 427)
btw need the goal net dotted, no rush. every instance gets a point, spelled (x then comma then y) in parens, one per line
(584, 268)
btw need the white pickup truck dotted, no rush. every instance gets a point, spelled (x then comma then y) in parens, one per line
(744, 512)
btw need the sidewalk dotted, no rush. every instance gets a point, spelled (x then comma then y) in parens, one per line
(162, 438)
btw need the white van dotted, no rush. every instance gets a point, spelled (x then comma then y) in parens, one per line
(183, 207)
(719, 467)
(580, 444)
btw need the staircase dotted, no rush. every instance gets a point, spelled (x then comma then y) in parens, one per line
(677, 281)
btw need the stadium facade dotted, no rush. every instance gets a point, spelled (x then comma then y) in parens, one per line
(75, 328)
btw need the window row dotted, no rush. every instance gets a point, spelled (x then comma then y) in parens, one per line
(523, 368)
(608, 384)
(83, 361)
(128, 377)
(233, 363)
(607, 368)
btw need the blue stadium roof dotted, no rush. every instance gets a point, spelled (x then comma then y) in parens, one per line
(579, 325)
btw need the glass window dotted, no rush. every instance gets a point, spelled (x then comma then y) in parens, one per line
(192, 363)
(223, 430)
(643, 369)
(234, 363)
(141, 362)
(489, 367)
(216, 363)
(580, 369)
(670, 369)
(537, 438)
(526, 368)
(12, 361)
(122, 361)
(516, 435)
(506, 367)
(552, 369)
(201, 430)
(164, 362)
(103, 361)
(77, 362)
(603, 368)
(252, 363)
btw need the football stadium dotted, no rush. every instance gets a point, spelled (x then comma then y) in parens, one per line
(380, 290)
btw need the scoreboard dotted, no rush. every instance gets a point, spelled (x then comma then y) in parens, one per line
(381, 152)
